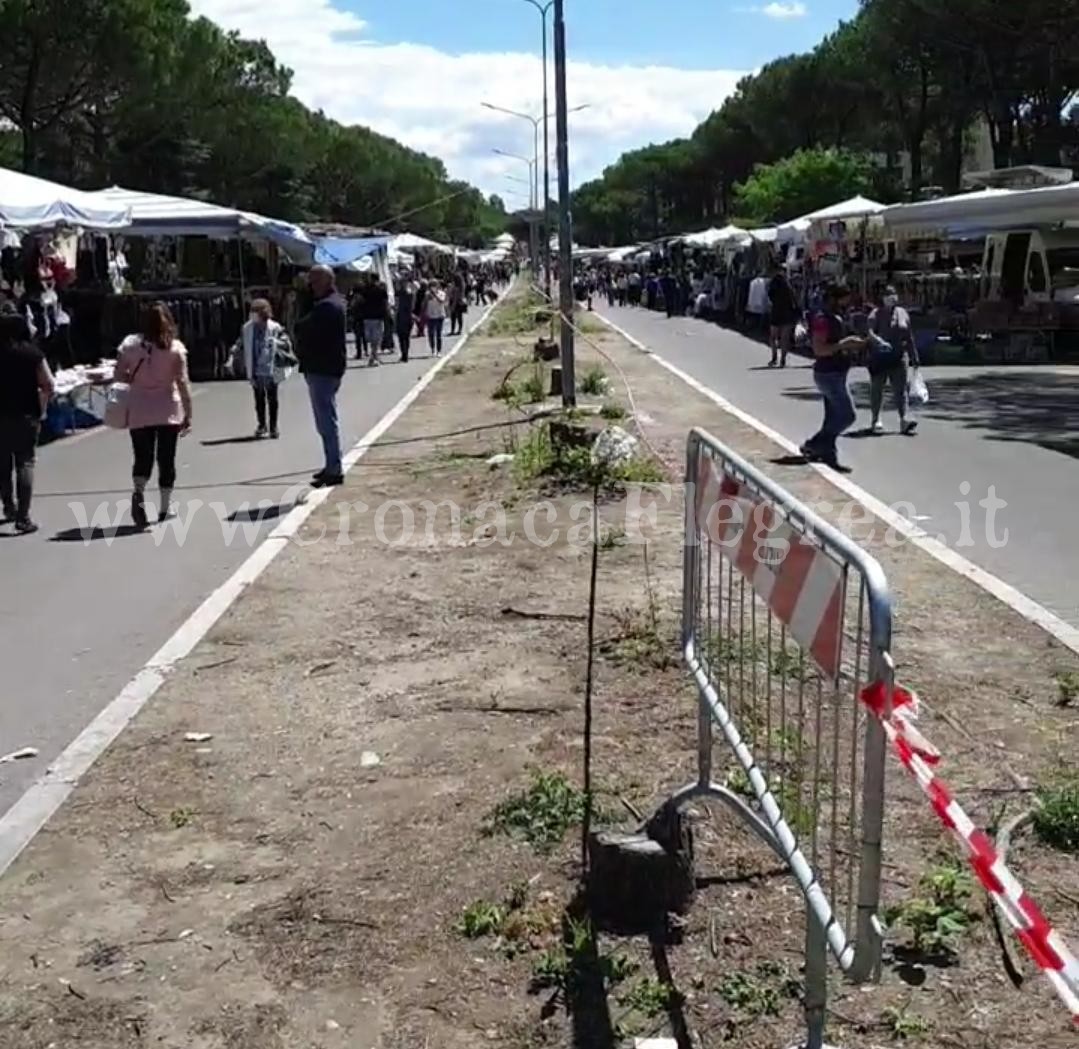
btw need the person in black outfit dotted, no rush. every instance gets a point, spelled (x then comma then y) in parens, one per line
(26, 384)
(355, 312)
(323, 354)
(784, 316)
(403, 306)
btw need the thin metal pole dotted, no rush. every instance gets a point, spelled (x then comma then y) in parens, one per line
(816, 980)
(565, 219)
(546, 166)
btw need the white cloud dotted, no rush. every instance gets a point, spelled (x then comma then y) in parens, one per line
(782, 11)
(430, 99)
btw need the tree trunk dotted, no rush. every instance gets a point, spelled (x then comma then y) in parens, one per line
(27, 121)
(951, 147)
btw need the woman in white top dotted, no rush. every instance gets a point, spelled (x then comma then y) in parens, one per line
(434, 310)
(267, 361)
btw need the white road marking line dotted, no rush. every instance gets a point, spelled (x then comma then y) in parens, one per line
(1015, 599)
(35, 807)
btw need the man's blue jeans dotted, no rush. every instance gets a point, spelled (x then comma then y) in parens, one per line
(323, 392)
(839, 413)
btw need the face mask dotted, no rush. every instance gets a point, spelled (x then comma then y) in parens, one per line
(890, 300)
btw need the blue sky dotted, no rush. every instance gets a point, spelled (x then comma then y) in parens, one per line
(701, 34)
(419, 70)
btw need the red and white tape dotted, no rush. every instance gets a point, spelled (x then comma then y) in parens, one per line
(1043, 943)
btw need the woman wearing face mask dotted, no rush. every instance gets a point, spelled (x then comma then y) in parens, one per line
(268, 362)
(891, 349)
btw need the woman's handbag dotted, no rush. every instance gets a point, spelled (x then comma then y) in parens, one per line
(117, 399)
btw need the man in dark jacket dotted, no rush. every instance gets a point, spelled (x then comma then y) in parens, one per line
(26, 384)
(321, 349)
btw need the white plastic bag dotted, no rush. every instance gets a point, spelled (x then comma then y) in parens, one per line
(916, 388)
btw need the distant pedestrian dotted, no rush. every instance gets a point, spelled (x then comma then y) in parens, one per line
(434, 310)
(757, 305)
(26, 384)
(831, 349)
(355, 316)
(322, 352)
(668, 286)
(374, 305)
(457, 304)
(891, 348)
(154, 365)
(268, 362)
(622, 289)
(784, 316)
(403, 306)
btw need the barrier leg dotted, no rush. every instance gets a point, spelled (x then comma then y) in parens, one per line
(816, 981)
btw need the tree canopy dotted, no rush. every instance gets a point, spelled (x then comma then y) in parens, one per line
(139, 94)
(803, 182)
(910, 78)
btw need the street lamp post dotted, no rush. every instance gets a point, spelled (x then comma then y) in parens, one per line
(535, 122)
(532, 186)
(565, 219)
(543, 10)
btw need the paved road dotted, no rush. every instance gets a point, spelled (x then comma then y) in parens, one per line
(79, 617)
(1014, 428)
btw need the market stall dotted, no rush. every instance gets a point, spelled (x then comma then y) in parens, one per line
(204, 261)
(46, 241)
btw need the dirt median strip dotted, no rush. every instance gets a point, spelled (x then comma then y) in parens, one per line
(376, 846)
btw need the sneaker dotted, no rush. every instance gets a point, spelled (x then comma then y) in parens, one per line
(8, 514)
(138, 510)
(809, 452)
(910, 428)
(260, 433)
(275, 434)
(327, 480)
(25, 526)
(166, 513)
(374, 362)
(877, 427)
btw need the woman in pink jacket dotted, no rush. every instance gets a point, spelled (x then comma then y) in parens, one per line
(154, 364)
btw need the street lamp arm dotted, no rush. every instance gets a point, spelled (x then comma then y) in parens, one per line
(534, 121)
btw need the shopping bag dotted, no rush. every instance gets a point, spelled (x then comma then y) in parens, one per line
(916, 388)
(116, 398)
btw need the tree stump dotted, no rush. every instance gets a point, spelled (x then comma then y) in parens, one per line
(546, 350)
(636, 880)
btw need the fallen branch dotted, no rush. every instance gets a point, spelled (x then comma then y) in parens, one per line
(516, 613)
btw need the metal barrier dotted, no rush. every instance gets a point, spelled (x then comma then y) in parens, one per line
(784, 621)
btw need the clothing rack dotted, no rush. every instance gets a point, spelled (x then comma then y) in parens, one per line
(208, 321)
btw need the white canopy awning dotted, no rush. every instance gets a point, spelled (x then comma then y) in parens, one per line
(710, 238)
(159, 215)
(505, 240)
(973, 214)
(621, 254)
(854, 208)
(411, 242)
(33, 203)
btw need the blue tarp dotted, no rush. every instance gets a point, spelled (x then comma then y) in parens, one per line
(340, 251)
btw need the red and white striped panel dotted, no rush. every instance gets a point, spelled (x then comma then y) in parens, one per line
(800, 584)
(1043, 943)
